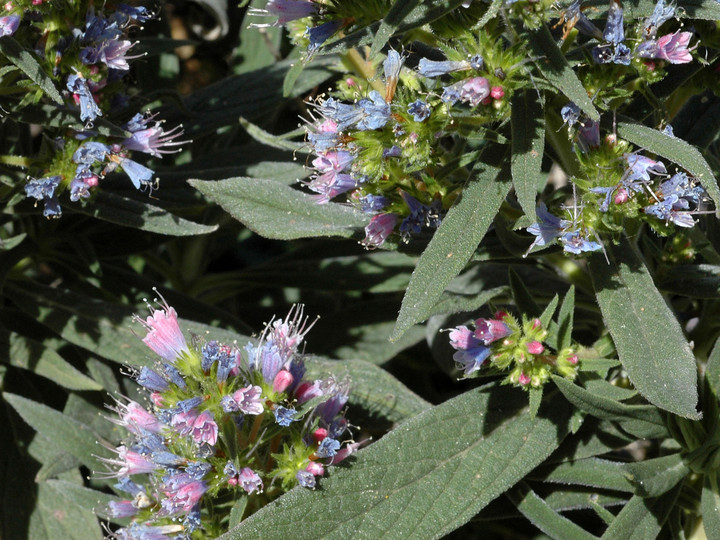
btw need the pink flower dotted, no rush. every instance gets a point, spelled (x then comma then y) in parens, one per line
(129, 463)
(249, 400)
(474, 90)
(164, 336)
(489, 330)
(201, 427)
(379, 228)
(134, 417)
(462, 338)
(250, 480)
(182, 493)
(672, 47)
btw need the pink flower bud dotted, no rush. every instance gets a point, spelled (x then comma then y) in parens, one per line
(319, 434)
(349, 82)
(621, 196)
(536, 324)
(315, 468)
(535, 347)
(500, 315)
(157, 399)
(496, 92)
(233, 481)
(573, 359)
(524, 379)
(282, 381)
(8, 6)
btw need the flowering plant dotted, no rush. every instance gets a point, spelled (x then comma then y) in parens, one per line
(503, 211)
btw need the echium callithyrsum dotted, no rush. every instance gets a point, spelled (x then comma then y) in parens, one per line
(222, 423)
(503, 344)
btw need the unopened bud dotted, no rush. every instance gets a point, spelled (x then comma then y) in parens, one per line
(497, 92)
(315, 468)
(282, 381)
(621, 196)
(524, 379)
(535, 347)
(319, 434)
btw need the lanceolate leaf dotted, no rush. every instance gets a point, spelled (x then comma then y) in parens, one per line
(277, 211)
(642, 518)
(14, 52)
(73, 437)
(427, 477)
(452, 245)
(648, 337)
(653, 477)
(543, 516)
(709, 504)
(528, 141)
(676, 150)
(389, 25)
(552, 64)
(141, 215)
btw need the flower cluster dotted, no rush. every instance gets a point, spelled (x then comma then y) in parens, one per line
(381, 151)
(87, 50)
(223, 423)
(504, 344)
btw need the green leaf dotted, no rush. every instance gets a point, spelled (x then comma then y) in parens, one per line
(82, 497)
(274, 141)
(69, 435)
(391, 22)
(653, 477)
(648, 337)
(132, 213)
(277, 211)
(523, 298)
(549, 311)
(676, 150)
(552, 64)
(29, 354)
(424, 479)
(543, 516)
(712, 369)
(642, 518)
(565, 319)
(452, 245)
(55, 517)
(593, 472)
(372, 388)
(14, 52)
(693, 280)
(604, 408)
(710, 505)
(528, 144)
(451, 303)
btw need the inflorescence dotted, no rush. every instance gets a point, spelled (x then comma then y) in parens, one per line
(224, 424)
(87, 50)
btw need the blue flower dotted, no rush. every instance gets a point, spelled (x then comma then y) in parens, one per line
(139, 175)
(659, 15)
(472, 359)
(90, 152)
(43, 189)
(327, 448)
(9, 24)
(420, 110)
(375, 112)
(151, 380)
(670, 210)
(574, 242)
(318, 35)
(306, 479)
(432, 68)
(284, 416)
(89, 110)
(547, 228)
(570, 114)
(614, 51)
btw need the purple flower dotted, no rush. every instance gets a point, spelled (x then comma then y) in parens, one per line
(201, 427)
(9, 24)
(285, 11)
(370, 204)
(110, 52)
(420, 110)
(471, 360)
(250, 481)
(154, 140)
(122, 509)
(472, 91)
(306, 479)
(547, 228)
(640, 168)
(129, 462)
(659, 15)
(43, 189)
(325, 138)
(249, 400)
(614, 51)
(489, 330)
(318, 35)
(90, 152)
(81, 184)
(78, 85)
(589, 135)
(182, 492)
(462, 338)
(379, 228)
(137, 531)
(672, 47)
(334, 161)
(670, 210)
(570, 114)
(151, 380)
(163, 333)
(330, 185)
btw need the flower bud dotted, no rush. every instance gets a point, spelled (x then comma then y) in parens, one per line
(535, 347)
(282, 381)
